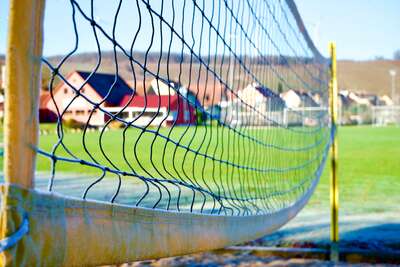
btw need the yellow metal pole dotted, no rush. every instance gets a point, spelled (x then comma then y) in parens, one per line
(334, 191)
(23, 79)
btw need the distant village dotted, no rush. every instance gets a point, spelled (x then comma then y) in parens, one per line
(158, 101)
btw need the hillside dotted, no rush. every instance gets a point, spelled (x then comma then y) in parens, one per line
(368, 76)
(362, 76)
(185, 69)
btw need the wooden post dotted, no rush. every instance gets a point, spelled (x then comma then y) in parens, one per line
(334, 190)
(23, 80)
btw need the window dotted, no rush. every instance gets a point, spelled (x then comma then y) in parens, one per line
(124, 115)
(152, 114)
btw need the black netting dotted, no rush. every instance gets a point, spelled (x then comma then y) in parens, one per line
(209, 106)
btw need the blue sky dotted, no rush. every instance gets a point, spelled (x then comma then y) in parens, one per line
(362, 29)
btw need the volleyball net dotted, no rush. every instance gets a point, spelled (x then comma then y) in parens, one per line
(167, 127)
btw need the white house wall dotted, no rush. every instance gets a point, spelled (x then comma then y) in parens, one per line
(143, 120)
(80, 108)
(292, 99)
(160, 88)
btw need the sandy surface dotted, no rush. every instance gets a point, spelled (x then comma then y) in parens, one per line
(311, 228)
(241, 259)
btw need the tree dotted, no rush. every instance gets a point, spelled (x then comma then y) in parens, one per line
(396, 54)
(280, 88)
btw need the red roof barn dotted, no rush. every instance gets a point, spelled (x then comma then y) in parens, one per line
(156, 109)
(121, 99)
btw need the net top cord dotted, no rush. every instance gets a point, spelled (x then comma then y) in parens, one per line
(216, 106)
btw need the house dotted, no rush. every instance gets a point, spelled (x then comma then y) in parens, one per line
(207, 93)
(45, 115)
(298, 99)
(359, 99)
(3, 76)
(160, 87)
(372, 98)
(254, 105)
(385, 101)
(115, 96)
(154, 110)
(261, 98)
(94, 89)
(205, 96)
(367, 99)
(343, 98)
(210, 94)
(318, 99)
(303, 108)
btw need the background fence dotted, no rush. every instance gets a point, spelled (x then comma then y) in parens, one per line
(367, 115)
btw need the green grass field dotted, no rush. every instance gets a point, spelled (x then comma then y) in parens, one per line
(216, 142)
(369, 171)
(369, 184)
(149, 155)
(369, 161)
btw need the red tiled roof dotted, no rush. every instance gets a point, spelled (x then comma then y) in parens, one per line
(151, 101)
(208, 94)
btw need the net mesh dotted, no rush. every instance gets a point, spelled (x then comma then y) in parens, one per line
(213, 106)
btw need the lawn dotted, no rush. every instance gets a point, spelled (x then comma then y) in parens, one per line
(369, 185)
(369, 171)
(245, 164)
(369, 160)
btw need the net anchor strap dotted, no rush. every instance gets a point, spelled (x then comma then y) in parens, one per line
(15, 237)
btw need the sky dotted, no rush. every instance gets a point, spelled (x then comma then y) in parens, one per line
(362, 29)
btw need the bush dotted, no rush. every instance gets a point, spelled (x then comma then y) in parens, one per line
(115, 125)
(73, 124)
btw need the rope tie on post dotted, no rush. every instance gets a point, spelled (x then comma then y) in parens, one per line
(15, 237)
